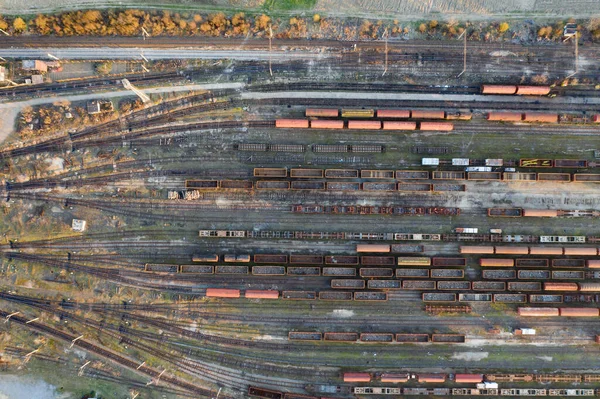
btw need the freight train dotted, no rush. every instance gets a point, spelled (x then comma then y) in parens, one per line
(554, 312)
(533, 117)
(387, 114)
(374, 210)
(526, 250)
(363, 125)
(515, 89)
(539, 213)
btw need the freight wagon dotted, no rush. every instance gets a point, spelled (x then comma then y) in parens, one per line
(515, 89)
(362, 125)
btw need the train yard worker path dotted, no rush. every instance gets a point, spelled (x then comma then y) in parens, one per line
(10, 110)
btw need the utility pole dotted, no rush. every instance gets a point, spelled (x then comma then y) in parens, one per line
(82, 367)
(53, 57)
(270, 48)
(10, 315)
(75, 340)
(145, 33)
(385, 35)
(464, 34)
(5, 32)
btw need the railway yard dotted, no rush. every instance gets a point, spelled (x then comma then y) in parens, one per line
(326, 220)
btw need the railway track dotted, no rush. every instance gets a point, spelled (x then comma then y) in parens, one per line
(107, 354)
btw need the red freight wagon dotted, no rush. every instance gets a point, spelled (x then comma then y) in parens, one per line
(222, 293)
(291, 123)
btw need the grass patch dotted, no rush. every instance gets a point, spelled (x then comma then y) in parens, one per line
(290, 4)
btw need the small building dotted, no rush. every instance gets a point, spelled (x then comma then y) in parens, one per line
(78, 225)
(37, 79)
(99, 106)
(35, 65)
(570, 30)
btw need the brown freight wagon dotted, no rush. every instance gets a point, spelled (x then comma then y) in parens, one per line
(447, 273)
(372, 248)
(339, 271)
(222, 293)
(394, 378)
(489, 286)
(341, 173)
(307, 185)
(306, 173)
(303, 271)
(476, 249)
(533, 274)
(393, 113)
(581, 251)
(436, 126)
(568, 263)
(364, 125)
(292, 123)
(299, 295)
(412, 273)
(568, 275)
(499, 274)
(304, 336)
(538, 312)
(412, 338)
(357, 377)
(420, 187)
(458, 262)
(525, 286)
(438, 297)
(511, 250)
(323, 124)
(236, 185)
(448, 175)
(395, 125)
(510, 298)
(519, 176)
(376, 174)
(306, 260)
(236, 258)
(202, 184)
(376, 337)
(540, 213)
(199, 269)
(335, 296)
(379, 186)
(375, 272)
(221, 269)
(348, 284)
(341, 260)
(272, 185)
(341, 337)
(161, 268)
(453, 285)
(484, 176)
(426, 114)
(370, 296)
(406, 248)
(533, 90)
(540, 117)
(270, 172)
(504, 116)
(545, 298)
(524, 262)
(545, 251)
(268, 270)
(323, 112)
(586, 178)
(570, 163)
(418, 285)
(552, 286)
(579, 312)
(412, 175)
(498, 89)
(448, 338)
(262, 294)
(384, 284)
(342, 186)
(554, 177)
(261, 258)
(378, 260)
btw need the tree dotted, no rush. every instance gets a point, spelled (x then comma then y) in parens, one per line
(262, 22)
(503, 27)
(3, 24)
(422, 28)
(103, 68)
(433, 24)
(316, 18)
(19, 24)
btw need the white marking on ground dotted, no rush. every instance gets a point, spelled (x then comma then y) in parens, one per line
(470, 356)
(342, 313)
